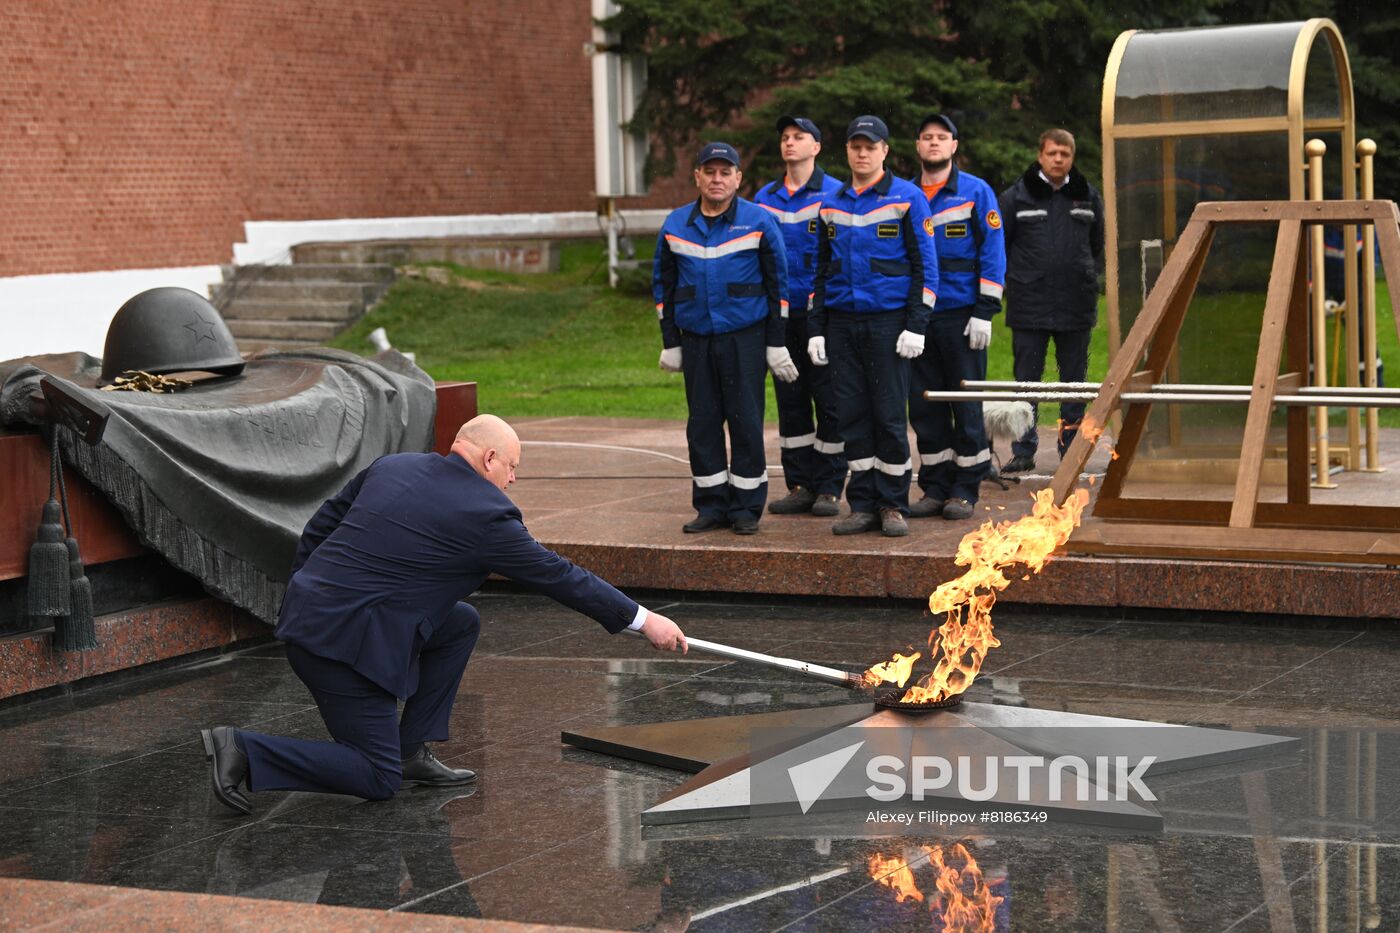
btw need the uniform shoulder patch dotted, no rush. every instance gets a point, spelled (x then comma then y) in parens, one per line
(928, 225)
(994, 220)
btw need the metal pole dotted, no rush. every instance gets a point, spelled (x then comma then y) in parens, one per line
(1176, 388)
(1366, 149)
(829, 674)
(1316, 399)
(612, 243)
(1315, 150)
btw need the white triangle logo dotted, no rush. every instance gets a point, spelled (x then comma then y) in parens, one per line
(810, 779)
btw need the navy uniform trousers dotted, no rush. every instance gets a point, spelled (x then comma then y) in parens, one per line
(371, 739)
(813, 455)
(724, 381)
(871, 383)
(1028, 348)
(953, 453)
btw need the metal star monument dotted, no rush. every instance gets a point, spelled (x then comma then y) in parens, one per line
(734, 770)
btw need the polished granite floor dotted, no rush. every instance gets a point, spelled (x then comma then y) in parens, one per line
(109, 786)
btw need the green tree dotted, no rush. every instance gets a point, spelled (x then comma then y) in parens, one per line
(1004, 70)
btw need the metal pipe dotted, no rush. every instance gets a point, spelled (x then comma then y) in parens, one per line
(805, 668)
(1366, 149)
(1177, 388)
(1308, 400)
(1315, 150)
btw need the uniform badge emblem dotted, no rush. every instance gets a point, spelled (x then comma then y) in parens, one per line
(928, 226)
(994, 220)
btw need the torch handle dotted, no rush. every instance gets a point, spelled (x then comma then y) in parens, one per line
(806, 668)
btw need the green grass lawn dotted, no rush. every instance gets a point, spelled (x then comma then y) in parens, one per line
(566, 344)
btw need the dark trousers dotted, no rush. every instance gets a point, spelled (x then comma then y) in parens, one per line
(953, 454)
(724, 376)
(813, 454)
(1028, 349)
(871, 385)
(371, 739)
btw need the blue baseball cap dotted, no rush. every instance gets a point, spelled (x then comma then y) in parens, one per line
(722, 151)
(802, 123)
(869, 126)
(941, 119)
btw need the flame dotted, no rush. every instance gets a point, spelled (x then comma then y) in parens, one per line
(967, 905)
(961, 643)
(895, 873)
(894, 671)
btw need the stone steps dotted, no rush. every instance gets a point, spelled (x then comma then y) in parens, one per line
(237, 294)
(309, 332)
(341, 311)
(297, 304)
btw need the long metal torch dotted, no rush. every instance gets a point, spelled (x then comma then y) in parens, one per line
(805, 668)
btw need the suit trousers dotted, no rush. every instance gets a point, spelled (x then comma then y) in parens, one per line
(371, 739)
(1028, 349)
(953, 454)
(724, 381)
(813, 455)
(872, 398)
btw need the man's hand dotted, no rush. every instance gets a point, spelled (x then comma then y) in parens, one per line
(816, 349)
(909, 345)
(780, 361)
(978, 333)
(664, 634)
(671, 359)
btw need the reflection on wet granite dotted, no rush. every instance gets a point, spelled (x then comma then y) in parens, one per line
(108, 785)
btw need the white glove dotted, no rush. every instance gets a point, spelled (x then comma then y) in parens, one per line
(978, 333)
(780, 361)
(816, 349)
(909, 345)
(671, 360)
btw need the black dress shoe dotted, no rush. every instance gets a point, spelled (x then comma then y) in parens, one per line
(424, 769)
(704, 523)
(746, 526)
(230, 767)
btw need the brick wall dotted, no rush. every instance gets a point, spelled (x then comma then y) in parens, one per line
(143, 133)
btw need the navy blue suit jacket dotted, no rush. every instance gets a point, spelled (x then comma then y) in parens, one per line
(380, 565)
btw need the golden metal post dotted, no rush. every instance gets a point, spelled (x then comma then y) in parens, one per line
(1315, 150)
(1366, 151)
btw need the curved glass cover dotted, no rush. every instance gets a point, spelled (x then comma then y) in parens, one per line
(1230, 72)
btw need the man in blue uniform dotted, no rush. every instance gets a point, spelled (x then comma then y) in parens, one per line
(877, 275)
(372, 617)
(814, 459)
(720, 282)
(953, 453)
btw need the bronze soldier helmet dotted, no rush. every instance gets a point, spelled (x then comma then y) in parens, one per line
(169, 330)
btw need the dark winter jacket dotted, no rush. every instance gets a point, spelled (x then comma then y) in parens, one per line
(1054, 241)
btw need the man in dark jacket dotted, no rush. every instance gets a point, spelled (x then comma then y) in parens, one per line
(372, 616)
(1054, 239)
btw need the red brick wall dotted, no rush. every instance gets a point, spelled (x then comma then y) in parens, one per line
(142, 133)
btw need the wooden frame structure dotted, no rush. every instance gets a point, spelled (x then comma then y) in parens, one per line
(1244, 528)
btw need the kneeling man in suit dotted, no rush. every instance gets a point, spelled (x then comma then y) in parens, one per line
(371, 617)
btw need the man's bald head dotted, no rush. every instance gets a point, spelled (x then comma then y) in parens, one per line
(488, 431)
(492, 448)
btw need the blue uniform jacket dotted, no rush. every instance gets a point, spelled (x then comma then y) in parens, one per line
(714, 275)
(971, 248)
(796, 214)
(876, 253)
(380, 565)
